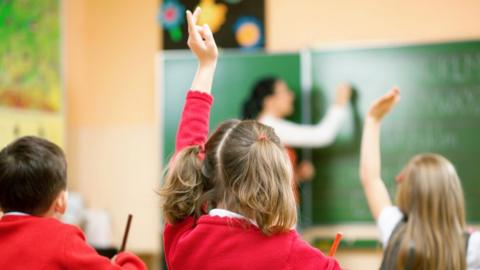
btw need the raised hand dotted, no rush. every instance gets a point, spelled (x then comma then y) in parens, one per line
(200, 39)
(343, 94)
(370, 162)
(202, 44)
(384, 104)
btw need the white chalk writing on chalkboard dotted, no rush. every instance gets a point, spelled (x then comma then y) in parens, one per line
(446, 101)
(418, 140)
(457, 68)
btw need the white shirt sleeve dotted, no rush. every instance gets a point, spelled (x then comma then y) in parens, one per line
(389, 218)
(297, 135)
(473, 252)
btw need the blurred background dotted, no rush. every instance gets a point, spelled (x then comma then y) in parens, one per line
(89, 75)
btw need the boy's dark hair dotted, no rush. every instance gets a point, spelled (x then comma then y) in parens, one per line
(32, 174)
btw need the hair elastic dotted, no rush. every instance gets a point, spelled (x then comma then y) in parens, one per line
(400, 177)
(262, 137)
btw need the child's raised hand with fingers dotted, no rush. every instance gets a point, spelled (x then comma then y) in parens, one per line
(200, 39)
(370, 160)
(384, 104)
(202, 44)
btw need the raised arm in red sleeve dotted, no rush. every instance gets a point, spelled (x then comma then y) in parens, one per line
(193, 127)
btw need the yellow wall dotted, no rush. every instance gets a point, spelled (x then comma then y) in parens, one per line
(112, 143)
(305, 23)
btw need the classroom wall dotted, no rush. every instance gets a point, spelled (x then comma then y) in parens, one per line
(292, 25)
(112, 143)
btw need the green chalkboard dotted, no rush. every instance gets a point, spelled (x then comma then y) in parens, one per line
(236, 73)
(439, 112)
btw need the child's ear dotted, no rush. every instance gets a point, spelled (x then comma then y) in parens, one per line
(60, 204)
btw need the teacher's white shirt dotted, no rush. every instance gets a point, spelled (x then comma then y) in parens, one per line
(298, 135)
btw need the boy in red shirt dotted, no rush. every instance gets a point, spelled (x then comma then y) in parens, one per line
(33, 183)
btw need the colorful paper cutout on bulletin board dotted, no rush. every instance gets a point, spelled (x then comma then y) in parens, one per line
(248, 32)
(30, 55)
(235, 23)
(172, 18)
(213, 14)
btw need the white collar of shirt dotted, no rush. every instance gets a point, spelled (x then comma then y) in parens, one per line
(226, 213)
(266, 118)
(15, 214)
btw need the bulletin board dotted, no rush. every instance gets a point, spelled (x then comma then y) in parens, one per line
(31, 96)
(235, 23)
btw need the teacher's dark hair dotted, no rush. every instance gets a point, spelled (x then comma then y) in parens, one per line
(254, 104)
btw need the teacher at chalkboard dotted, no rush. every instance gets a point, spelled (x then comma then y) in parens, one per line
(271, 100)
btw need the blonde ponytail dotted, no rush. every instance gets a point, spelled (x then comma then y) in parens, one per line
(184, 186)
(255, 177)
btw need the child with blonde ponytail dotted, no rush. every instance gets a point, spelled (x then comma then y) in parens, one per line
(426, 230)
(242, 174)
